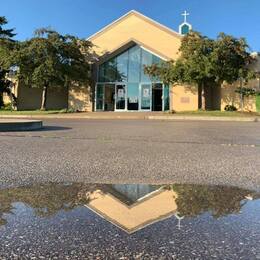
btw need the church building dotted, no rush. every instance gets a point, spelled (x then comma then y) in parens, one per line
(123, 48)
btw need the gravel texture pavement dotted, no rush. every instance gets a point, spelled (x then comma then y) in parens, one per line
(133, 151)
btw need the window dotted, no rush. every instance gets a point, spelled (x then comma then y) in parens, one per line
(185, 29)
(134, 64)
(128, 66)
(132, 96)
(122, 67)
(131, 87)
(147, 60)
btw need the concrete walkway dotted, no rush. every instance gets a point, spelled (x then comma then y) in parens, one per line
(136, 116)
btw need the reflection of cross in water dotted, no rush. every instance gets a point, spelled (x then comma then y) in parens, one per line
(179, 219)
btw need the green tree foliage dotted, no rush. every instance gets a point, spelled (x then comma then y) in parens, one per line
(206, 63)
(246, 92)
(5, 33)
(6, 46)
(194, 200)
(50, 59)
(47, 199)
(231, 59)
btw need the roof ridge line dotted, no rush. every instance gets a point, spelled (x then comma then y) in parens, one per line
(169, 30)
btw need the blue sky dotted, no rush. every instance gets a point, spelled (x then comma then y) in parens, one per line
(82, 18)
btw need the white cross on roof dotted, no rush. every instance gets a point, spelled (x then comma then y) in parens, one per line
(185, 14)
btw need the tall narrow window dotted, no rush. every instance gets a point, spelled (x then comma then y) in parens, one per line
(134, 64)
(147, 59)
(122, 67)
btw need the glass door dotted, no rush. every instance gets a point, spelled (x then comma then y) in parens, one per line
(99, 97)
(109, 97)
(157, 97)
(132, 96)
(120, 97)
(145, 97)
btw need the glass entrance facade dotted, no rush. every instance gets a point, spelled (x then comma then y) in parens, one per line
(130, 87)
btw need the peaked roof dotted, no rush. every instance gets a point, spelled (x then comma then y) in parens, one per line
(143, 17)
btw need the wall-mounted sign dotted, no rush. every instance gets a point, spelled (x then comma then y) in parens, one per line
(133, 99)
(120, 93)
(185, 100)
(146, 92)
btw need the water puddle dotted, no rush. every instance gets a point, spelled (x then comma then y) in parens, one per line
(92, 221)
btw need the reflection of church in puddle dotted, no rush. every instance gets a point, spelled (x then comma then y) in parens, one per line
(133, 207)
(130, 207)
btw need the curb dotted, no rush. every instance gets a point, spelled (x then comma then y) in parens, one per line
(136, 117)
(19, 125)
(206, 118)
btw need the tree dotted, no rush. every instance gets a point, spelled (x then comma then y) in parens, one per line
(6, 46)
(5, 33)
(206, 63)
(50, 59)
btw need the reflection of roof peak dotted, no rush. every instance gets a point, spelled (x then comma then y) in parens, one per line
(132, 216)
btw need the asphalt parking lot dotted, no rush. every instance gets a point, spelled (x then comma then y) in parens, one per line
(133, 151)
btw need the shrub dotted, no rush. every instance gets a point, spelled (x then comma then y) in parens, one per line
(7, 106)
(230, 108)
(246, 92)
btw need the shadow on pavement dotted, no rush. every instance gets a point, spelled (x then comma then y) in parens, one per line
(54, 128)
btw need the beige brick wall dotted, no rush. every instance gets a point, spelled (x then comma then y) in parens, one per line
(184, 98)
(79, 98)
(30, 98)
(229, 97)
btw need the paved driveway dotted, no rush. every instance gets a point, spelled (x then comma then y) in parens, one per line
(132, 151)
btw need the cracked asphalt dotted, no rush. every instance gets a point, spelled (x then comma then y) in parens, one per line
(133, 151)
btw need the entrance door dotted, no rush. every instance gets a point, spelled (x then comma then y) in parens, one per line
(146, 97)
(157, 94)
(99, 97)
(109, 98)
(120, 97)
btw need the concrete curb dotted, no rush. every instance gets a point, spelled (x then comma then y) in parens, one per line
(19, 125)
(65, 116)
(206, 118)
(136, 117)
